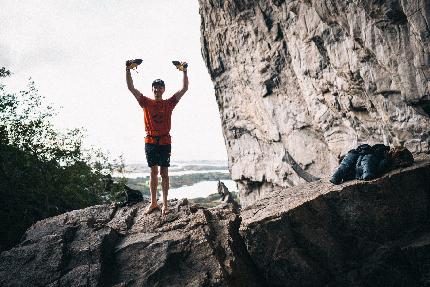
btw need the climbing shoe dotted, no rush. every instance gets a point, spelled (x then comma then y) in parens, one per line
(181, 66)
(132, 64)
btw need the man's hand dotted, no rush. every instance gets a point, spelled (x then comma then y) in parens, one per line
(184, 66)
(127, 64)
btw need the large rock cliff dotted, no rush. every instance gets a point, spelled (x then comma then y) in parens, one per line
(374, 233)
(299, 83)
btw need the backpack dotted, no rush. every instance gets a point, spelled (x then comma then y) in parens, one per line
(400, 157)
(132, 196)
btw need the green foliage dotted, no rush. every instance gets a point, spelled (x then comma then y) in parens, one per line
(43, 171)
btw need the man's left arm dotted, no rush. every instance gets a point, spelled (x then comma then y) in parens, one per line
(178, 95)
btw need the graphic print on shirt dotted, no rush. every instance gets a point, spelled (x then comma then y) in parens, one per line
(157, 116)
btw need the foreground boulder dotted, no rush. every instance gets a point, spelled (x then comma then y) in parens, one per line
(372, 233)
(107, 246)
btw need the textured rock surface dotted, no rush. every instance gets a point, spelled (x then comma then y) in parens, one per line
(374, 233)
(107, 246)
(299, 83)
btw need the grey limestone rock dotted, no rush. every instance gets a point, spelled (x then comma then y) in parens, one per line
(299, 83)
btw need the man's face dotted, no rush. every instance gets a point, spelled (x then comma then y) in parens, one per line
(158, 91)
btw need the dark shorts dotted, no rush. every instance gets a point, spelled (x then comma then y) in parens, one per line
(158, 154)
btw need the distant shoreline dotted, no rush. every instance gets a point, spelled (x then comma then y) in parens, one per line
(176, 167)
(178, 179)
(142, 175)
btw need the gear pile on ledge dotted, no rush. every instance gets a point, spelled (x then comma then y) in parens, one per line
(368, 162)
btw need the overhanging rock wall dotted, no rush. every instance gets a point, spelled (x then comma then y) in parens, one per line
(299, 83)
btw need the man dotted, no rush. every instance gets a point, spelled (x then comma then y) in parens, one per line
(157, 116)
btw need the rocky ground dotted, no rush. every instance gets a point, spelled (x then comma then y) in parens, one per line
(373, 233)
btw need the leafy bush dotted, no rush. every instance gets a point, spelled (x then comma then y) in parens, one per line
(43, 171)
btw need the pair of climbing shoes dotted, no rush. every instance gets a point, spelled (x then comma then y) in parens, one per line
(132, 64)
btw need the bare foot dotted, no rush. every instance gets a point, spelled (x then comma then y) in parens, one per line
(151, 208)
(165, 210)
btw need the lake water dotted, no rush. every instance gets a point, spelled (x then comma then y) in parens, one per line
(200, 189)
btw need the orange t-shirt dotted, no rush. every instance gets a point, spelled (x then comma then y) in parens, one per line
(157, 116)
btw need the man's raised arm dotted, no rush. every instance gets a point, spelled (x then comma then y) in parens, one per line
(181, 92)
(130, 85)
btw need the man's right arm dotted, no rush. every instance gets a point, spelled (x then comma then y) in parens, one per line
(133, 90)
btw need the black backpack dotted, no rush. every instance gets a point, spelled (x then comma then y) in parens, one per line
(132, 196)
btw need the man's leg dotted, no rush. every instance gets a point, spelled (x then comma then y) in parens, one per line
(164, 170)
(153, 184)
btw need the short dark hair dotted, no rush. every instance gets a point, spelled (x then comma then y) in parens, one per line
(158, 82)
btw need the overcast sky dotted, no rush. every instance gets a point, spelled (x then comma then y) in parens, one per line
(75, 52)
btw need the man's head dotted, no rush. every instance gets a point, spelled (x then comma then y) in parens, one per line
(158, 88)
